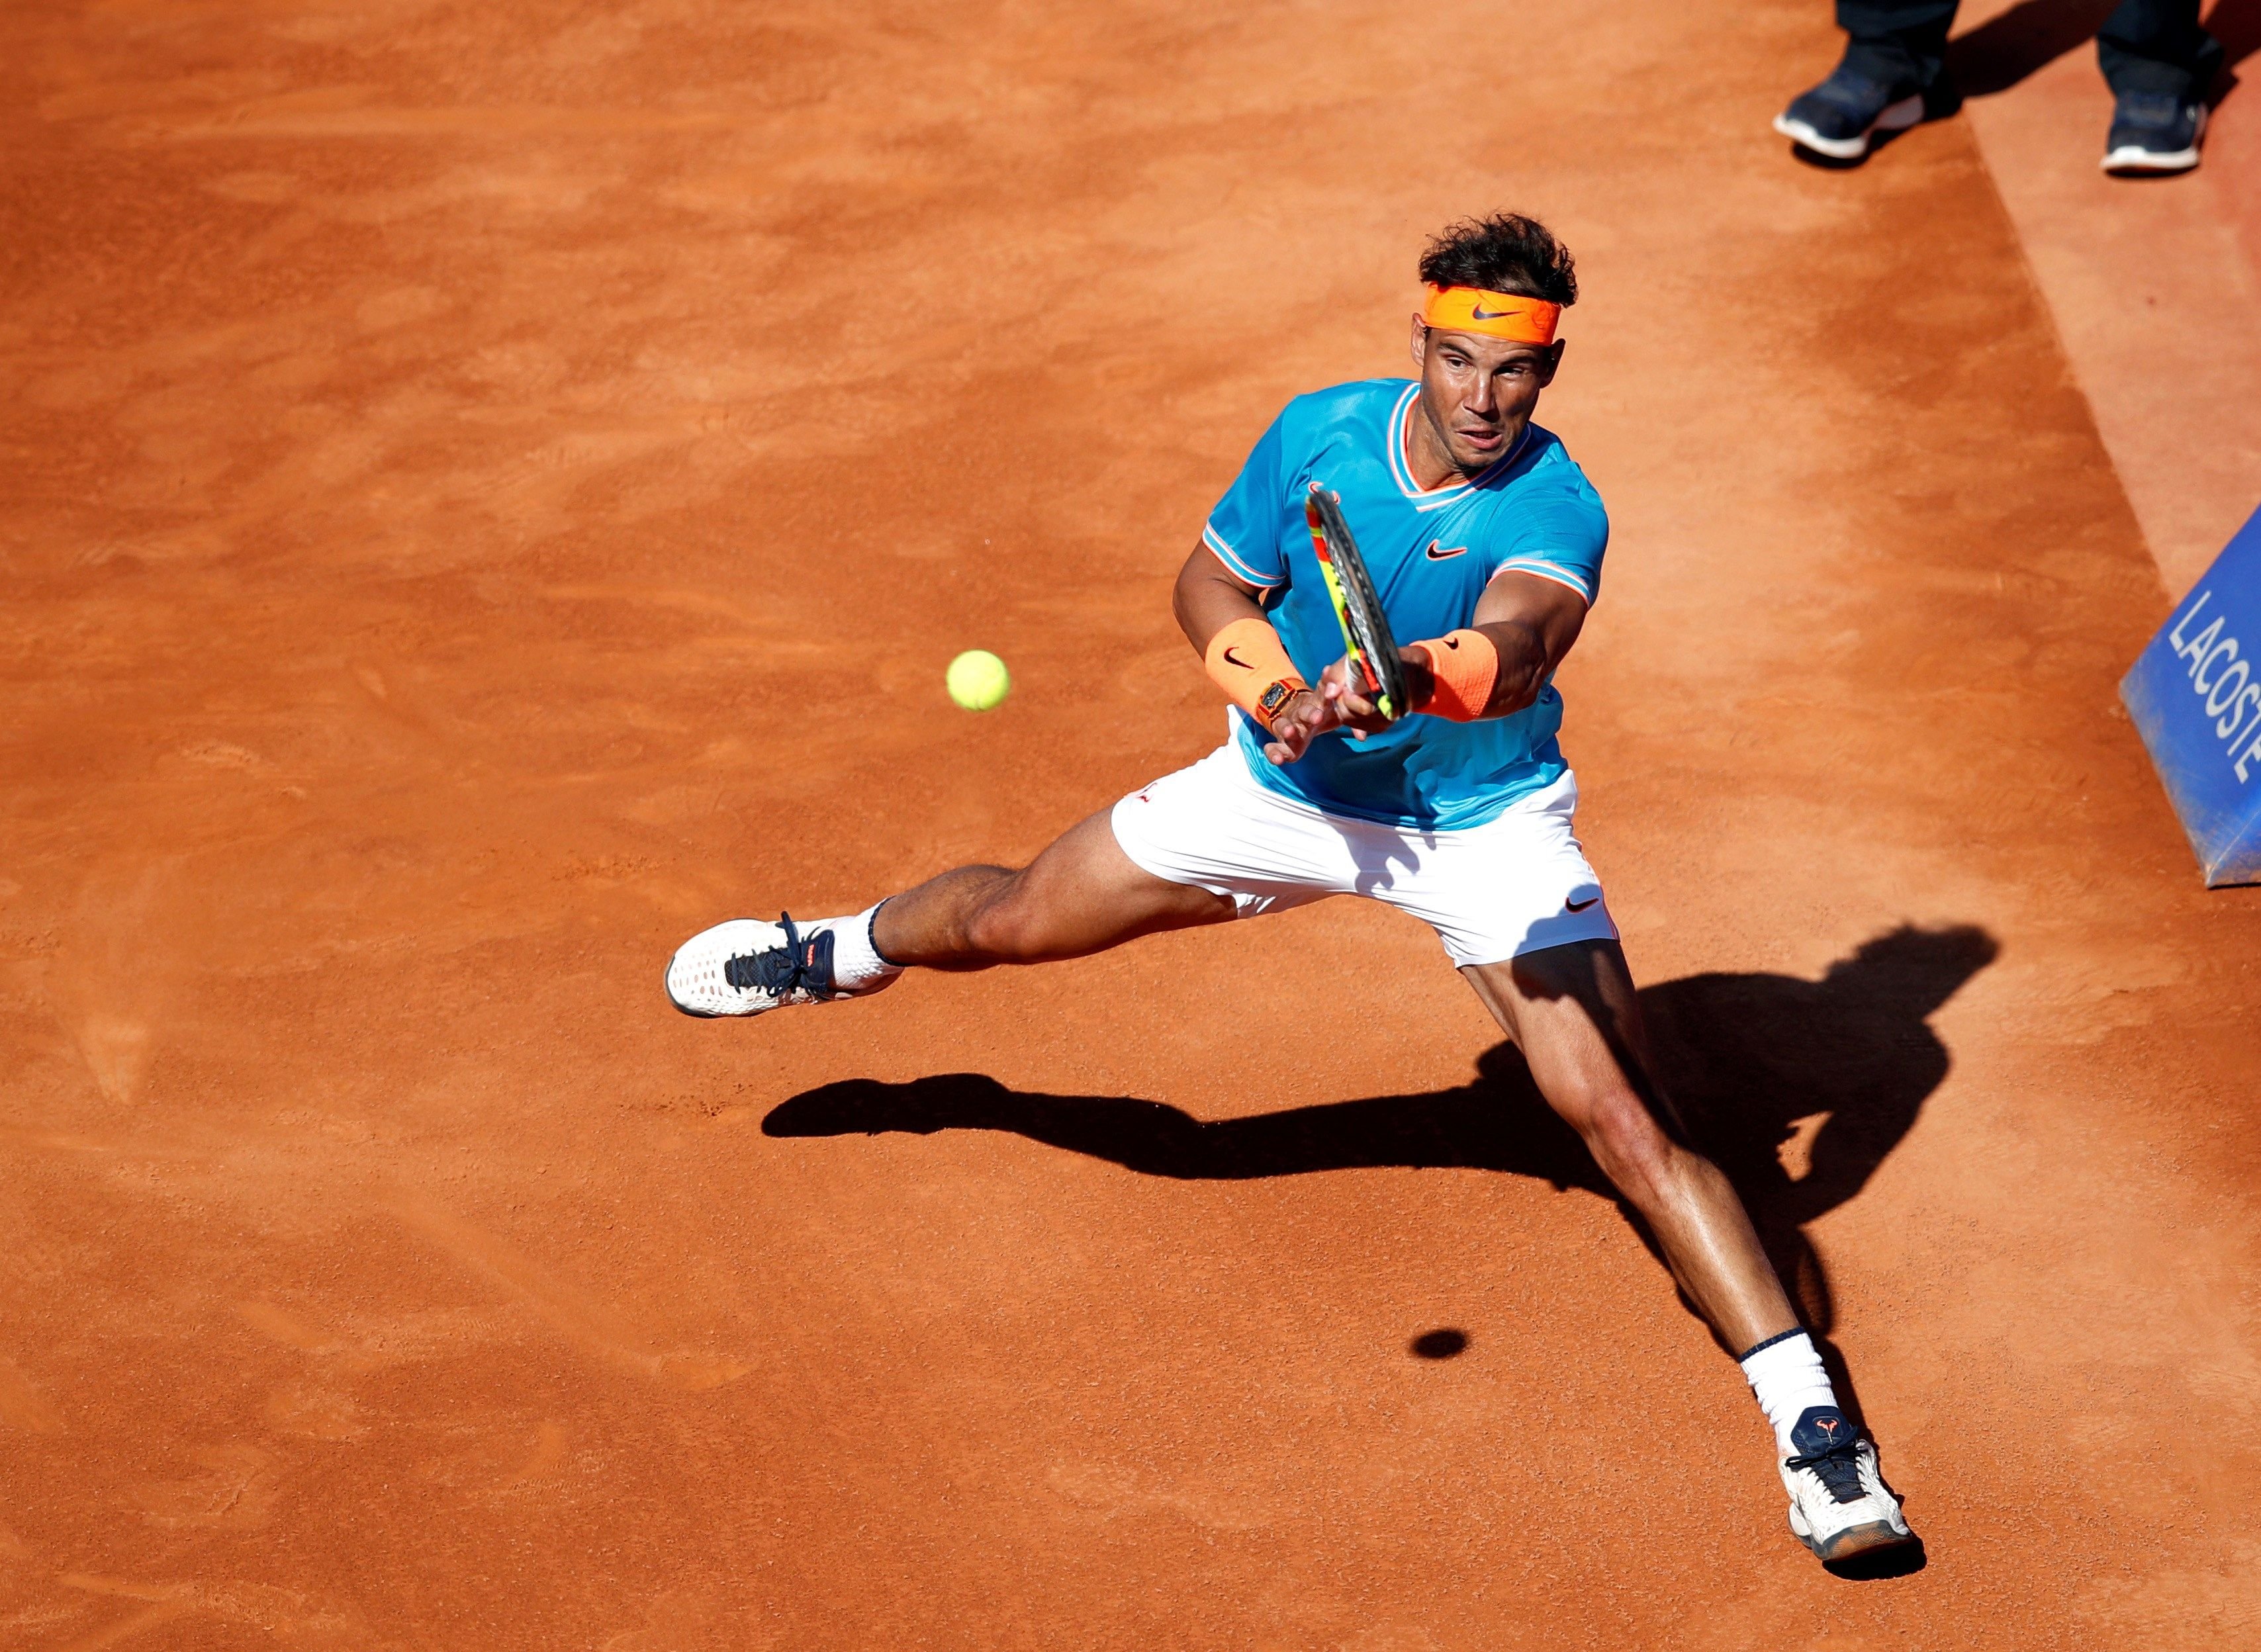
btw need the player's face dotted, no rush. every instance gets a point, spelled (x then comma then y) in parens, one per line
(1477, 392)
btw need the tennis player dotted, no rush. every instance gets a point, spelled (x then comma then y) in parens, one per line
(1485, 540)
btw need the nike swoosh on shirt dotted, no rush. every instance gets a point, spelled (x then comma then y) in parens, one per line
(1580, 905)
(1436, 554)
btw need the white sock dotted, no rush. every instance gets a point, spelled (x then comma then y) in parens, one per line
(856, 966)
(1786, 1377)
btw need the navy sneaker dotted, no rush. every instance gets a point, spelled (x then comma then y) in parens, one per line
(1842, 118)
(1839, 1505)
(2153, 131)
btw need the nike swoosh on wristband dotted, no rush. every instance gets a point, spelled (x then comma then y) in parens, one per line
(1230, 659)
(1580, 905)
(1435, 554)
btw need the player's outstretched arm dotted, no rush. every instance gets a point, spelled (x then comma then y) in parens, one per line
(1528, 623)
(1222, 617)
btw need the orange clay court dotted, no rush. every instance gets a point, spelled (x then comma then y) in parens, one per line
(491, 491)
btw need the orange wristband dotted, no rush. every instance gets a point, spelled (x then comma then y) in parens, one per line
(1465, 666)
(1248, 661)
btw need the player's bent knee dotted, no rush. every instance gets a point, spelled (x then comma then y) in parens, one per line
(1014, 926)
(1000, 930)
(1627, 1142)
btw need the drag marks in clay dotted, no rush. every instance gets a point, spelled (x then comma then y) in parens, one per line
(237, 1491)
(1108, 1491)
(281, 1614)
(574, 1313)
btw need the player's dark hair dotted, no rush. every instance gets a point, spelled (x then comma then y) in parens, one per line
(1504, 253)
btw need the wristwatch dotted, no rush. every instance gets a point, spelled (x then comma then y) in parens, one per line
(1274, 700)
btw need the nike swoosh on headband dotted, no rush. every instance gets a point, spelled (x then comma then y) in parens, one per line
(1505, 315)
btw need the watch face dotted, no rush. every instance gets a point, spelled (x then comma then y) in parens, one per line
(1273, 698)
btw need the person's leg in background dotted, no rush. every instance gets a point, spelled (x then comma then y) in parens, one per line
(1891, 77)
(2160, 65)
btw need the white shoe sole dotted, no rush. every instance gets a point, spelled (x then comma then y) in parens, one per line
(1864, 1539)
(1896, 117)
(2128, 159)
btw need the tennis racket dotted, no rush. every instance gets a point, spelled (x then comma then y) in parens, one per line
(1365, 630)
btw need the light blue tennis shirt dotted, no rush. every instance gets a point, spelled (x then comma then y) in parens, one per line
(1431, 553)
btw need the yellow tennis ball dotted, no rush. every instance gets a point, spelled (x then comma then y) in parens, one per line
(978, 680)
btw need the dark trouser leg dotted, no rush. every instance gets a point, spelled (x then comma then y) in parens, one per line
(1899, 41)
(2157, 45)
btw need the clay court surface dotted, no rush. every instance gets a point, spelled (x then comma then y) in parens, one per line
(492, 490)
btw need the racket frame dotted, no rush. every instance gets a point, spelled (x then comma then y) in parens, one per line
(1367, 640)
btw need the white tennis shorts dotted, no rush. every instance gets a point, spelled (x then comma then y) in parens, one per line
(1515, 884)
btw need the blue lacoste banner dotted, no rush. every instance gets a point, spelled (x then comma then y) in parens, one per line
(2196, 696)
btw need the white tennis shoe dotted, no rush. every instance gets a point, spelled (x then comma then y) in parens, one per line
(746, 967)
(1839, 1505)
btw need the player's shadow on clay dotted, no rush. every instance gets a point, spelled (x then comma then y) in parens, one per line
(1797, 1088)
(1834, 1071)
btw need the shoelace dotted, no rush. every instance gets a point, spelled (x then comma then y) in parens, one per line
(1838, 1468)
(780, 969)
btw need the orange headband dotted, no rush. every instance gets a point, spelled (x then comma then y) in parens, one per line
(1501, 315)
